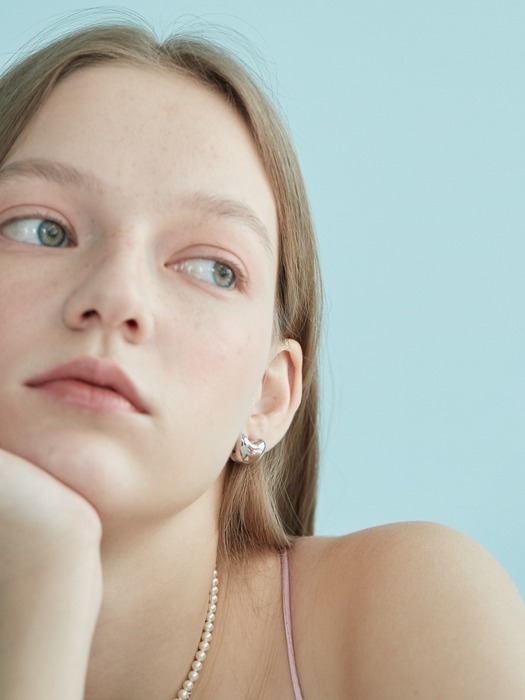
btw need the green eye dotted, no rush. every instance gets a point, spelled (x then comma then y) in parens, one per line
(42, 232)
(51, 234)
(211, 271)
(223, 275)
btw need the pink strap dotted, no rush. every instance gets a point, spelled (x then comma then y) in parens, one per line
(285, 573)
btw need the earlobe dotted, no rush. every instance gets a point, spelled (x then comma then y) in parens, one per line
(280, 395)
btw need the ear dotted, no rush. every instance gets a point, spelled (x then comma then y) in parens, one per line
(279, 395)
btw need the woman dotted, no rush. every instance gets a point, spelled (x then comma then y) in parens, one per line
(159, 321)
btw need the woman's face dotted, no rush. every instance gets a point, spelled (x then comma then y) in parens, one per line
(137, 236)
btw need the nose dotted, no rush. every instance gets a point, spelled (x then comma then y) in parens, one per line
(111, 292)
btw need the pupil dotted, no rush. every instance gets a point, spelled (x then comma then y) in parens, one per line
(51, 234)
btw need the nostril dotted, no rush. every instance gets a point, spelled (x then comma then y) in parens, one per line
(89, 314)
(132, 324)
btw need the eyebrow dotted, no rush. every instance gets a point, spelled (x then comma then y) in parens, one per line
(52, 171)
(202, 202)
(229, 209)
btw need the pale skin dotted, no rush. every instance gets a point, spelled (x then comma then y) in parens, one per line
(108, 512)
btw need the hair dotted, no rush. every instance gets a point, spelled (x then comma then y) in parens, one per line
(267, 506)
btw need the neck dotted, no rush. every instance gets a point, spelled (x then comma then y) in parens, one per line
(156, 584)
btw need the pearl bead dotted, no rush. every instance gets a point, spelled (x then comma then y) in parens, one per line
(204, 645)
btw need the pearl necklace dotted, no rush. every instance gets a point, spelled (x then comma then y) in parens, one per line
(193, 676)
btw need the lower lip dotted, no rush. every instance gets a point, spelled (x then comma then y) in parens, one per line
(87, 396)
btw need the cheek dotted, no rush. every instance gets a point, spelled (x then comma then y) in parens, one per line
(17, 308)
(228, 350)
(214, 373)
(25, 300)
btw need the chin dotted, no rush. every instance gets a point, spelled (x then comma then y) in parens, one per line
(96, 468)
(121, 482)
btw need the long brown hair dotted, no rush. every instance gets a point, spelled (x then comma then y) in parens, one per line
(267, 506)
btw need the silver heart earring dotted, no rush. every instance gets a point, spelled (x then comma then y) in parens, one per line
(246, 451)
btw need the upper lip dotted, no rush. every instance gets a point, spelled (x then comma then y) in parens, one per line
(97, 373)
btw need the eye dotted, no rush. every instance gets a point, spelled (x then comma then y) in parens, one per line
(211, 271)
(43, 232)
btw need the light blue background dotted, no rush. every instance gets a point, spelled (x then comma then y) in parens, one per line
(409, 119)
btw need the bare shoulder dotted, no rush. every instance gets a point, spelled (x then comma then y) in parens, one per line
(407, 610)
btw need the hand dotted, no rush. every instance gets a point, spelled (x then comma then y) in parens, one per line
(50, 583)
(42, 521)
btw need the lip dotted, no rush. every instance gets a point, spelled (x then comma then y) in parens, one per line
(98, 380)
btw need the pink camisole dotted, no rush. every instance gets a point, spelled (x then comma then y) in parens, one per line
(285, 575)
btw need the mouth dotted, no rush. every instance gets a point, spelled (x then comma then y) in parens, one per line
(91, 384)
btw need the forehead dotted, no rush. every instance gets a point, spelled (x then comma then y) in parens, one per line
(145, 132)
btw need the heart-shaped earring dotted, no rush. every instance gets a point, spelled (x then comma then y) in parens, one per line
(246, 451)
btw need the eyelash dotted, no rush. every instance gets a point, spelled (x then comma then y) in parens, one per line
(239, 277)
(41, 219)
